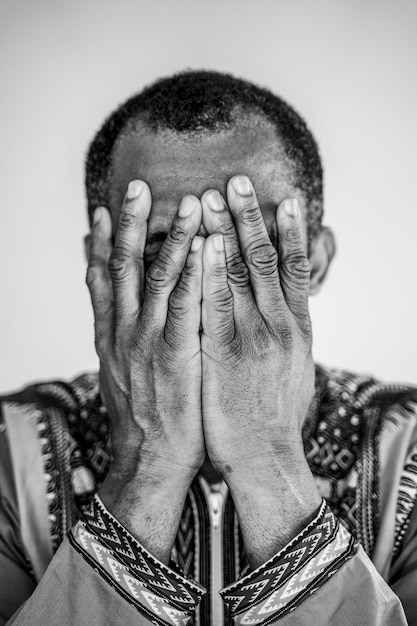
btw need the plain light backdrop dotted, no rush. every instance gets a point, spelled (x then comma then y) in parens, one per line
(347, 66)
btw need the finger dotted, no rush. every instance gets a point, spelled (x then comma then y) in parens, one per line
(126, 263)
(184, 305)
(218, 219)
(258, 252)
(217, 301)
(165, 271)
(294, 267)
(98, 278)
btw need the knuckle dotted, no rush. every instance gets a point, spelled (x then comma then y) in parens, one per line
(228, 228)
(292, 234)
(250, 214)
(298, 266)
(264, 259)
(123, 250)
(117, 267)
(237, 270)
(127, 220)
(177, 234)
(156, 277)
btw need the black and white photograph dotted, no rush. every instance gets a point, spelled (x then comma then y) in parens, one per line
(208, 345)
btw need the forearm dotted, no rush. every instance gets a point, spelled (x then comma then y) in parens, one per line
(150, 509)
(274, 500)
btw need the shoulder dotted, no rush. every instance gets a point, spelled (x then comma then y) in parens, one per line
(65, 395)
(55, 411)
(51, 410)
(358, 412)
(43, 405)
(358, 395)
(362, 446)
(60, 429)
(43, 414)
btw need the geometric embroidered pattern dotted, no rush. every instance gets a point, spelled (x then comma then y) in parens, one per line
(335, 438)
(154, 607)
(164, 595)
(312, 538)
(333, 445)
(407, 497)
(279, 586)
(180, 590)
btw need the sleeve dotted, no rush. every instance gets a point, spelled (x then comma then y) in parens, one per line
(101, 575)
(403, 579)
(17, 581)
(321, 577)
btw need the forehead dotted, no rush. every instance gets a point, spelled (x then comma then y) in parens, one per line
(176, 164)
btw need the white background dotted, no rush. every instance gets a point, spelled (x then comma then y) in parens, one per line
(349, 67)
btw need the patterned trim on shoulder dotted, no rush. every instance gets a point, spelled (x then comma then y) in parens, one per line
(331, 444)
(407, 498)
(74, 414)
(342, 446)
(73, 437)
(280, 585)
(162, 594)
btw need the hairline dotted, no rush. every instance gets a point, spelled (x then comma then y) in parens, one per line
(138, 124)
(299, 144)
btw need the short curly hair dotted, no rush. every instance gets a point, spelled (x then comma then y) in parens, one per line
(206, 101)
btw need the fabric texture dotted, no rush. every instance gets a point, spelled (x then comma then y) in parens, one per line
(278, 586)
(360, 441)
(156, 590)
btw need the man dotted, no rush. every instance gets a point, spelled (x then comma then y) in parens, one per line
(235, 465)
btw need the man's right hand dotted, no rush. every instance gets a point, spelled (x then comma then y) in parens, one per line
(147, 339)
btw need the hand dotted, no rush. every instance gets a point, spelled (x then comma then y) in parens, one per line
(258, 373)
(147, 339)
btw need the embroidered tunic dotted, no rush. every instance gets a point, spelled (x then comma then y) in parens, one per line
(65, 559)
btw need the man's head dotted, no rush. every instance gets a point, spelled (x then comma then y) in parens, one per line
(194, 131)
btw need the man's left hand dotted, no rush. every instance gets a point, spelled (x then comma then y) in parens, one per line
(258, 372)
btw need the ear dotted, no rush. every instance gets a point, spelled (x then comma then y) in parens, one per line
(87, 244)
(323, 250)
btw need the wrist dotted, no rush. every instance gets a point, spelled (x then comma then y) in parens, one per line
(274, 503)
(149, 507)
(276, 488)
(152, 465)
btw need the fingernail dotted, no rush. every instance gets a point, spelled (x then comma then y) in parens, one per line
(218, 243)
(134, 189)
(98, 213)
(186, 207)
(242, 185)
(196, 243)
(215, 201)
(291, 207)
